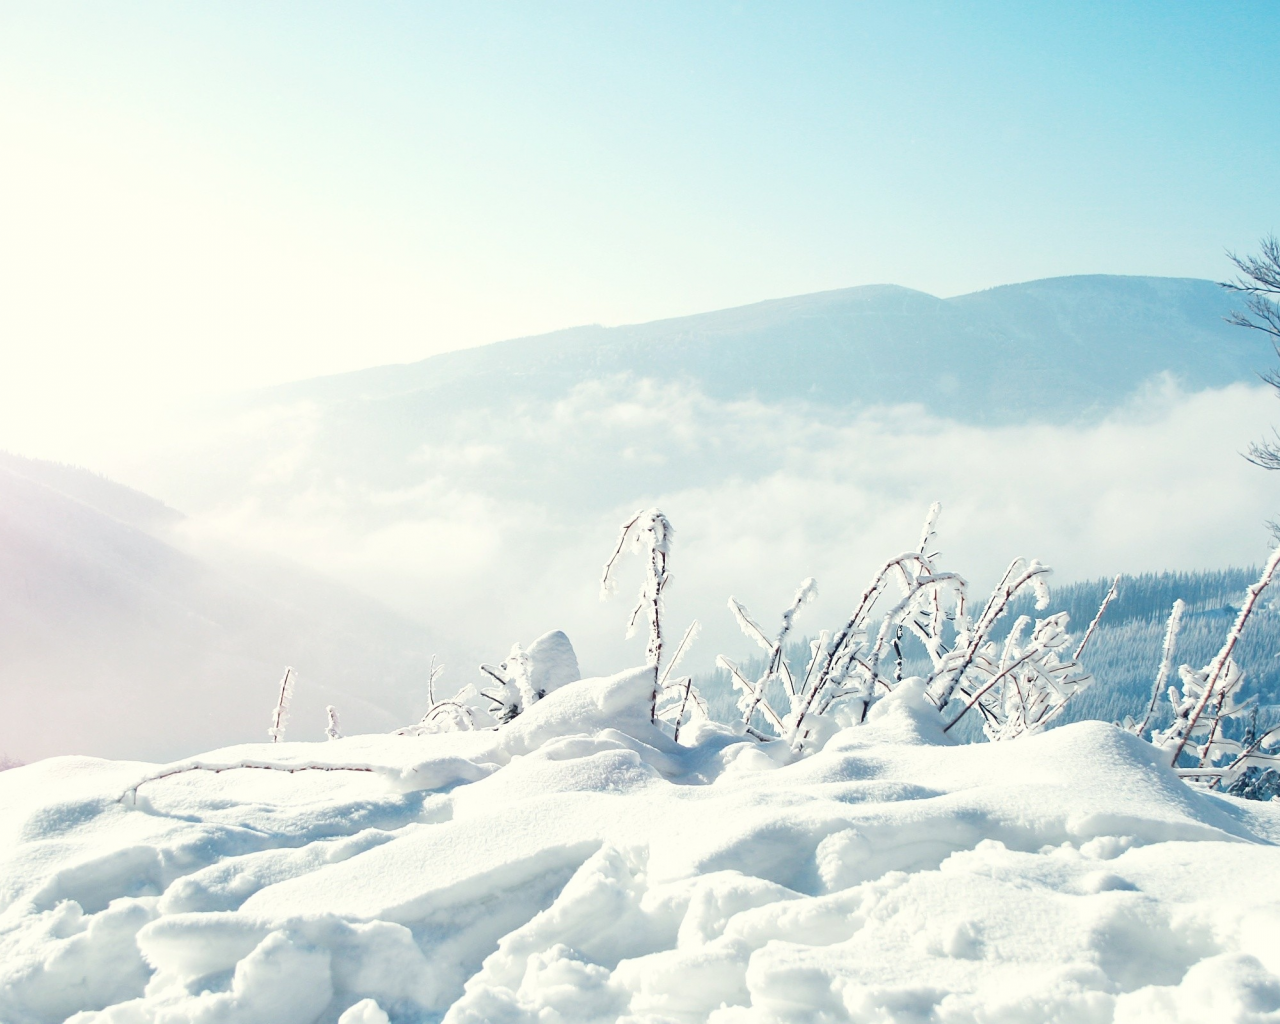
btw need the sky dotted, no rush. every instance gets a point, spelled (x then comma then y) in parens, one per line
(197, 198)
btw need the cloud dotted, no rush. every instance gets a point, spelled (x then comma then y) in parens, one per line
(494, 530)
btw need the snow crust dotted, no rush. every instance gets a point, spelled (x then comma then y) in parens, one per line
(577, 865)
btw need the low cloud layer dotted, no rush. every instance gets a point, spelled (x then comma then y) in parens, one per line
(493, 529)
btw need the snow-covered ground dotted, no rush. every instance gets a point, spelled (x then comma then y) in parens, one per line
(577, 865)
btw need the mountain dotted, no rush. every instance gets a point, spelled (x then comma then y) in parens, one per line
(1053, 349)
(118, 639)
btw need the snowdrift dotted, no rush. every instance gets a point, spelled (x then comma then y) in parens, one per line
(578, 865)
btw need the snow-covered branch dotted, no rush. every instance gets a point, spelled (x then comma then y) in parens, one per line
(1207, 697)
(650, 531)
(280, 713)
(1166, 666)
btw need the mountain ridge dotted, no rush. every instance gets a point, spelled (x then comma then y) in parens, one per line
(1054, 348)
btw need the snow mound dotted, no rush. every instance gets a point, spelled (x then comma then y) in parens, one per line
(577, 865)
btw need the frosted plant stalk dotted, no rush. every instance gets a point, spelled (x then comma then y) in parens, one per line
(1088, 633)
(776, 665)
(689, 698)
(331, 727)
(651, 531)
(944, 680)
(1166, 663)
(682, 648)
(1220, 661)
(281, 712)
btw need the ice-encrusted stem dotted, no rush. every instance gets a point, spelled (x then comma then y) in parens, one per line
(982, 690)
(250, 764)
(943, 682)
(1220, 660)
(650, 529)
(1166, 663)
(776, 666)
(1088, 633)
(281, 711)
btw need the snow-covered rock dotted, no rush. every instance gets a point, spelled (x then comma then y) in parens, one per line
(577, 865)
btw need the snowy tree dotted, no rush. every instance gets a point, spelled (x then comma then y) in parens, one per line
(1259, 283)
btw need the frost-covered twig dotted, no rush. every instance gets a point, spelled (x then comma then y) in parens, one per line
(754, 694)
(1088, 633)
(689, 698)
(280, 713)
(945, 678)
(751, 699)
(682, 648)
(229, 766)
(982, 690)
(1028, 687)
(651, 530)
(842, 654)
(689, 695)
(331, 728)
(1215, 687)
(434, 672)
(454, 712)
(1166, 663)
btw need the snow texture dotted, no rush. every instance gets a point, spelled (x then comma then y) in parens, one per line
(577, 865)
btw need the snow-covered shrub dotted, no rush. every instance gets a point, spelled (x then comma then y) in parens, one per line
(523, 678)
(526, 676)
(515, 689)
(454, 714)
(1018, 687)
(674, 700)
(1030, 683)
(1208, 699)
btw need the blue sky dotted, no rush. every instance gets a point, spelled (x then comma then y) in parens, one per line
(205, 196)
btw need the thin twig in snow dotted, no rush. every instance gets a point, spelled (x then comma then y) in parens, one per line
(1088, 633)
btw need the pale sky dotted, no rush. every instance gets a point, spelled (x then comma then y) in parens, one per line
(202, 197)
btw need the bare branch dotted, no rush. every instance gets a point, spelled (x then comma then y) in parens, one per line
(217, 768)
(280, 713)
(1088, 633)
(1166, 663)
(1219, 663)
(690, 635)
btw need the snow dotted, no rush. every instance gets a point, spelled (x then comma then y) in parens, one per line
(578, 865)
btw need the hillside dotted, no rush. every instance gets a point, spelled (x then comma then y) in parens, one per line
(1052, 349)
(118, 641)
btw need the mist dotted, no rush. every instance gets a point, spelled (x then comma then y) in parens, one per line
(496, 530)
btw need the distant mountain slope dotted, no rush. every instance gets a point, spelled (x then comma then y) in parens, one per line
(1050, 349)
(124, 504)
(114, 641)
